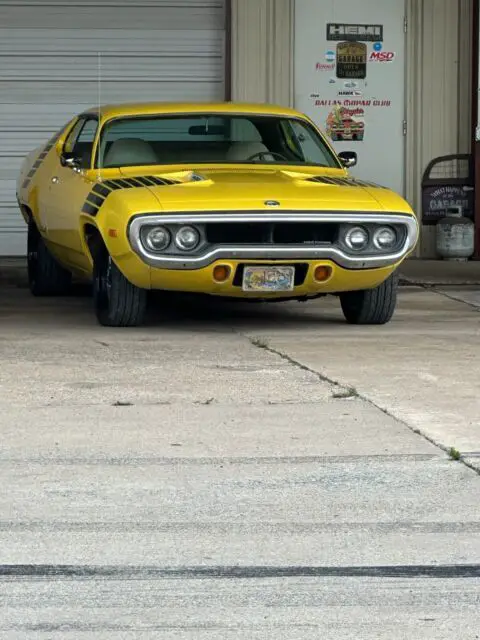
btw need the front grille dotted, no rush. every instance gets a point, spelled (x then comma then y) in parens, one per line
(301, 271)
(224, 233)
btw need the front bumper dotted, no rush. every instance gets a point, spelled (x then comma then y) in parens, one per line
(203, 280)
(270, 252)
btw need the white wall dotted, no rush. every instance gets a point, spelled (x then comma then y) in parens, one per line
(439, 50)
(439, 91)
(262, 51)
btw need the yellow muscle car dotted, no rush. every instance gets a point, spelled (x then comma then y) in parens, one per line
(236, 200)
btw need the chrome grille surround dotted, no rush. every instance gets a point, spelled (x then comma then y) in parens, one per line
(266, 251)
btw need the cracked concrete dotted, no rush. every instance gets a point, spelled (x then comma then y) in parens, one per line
(423, 368)
(277, 462)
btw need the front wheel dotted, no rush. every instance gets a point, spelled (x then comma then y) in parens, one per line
(46, 277)
(371, 306)
(118, 303)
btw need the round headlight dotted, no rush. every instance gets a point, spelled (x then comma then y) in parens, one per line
(187, 238)
(357, 238)
(385, 238)
(157, 238)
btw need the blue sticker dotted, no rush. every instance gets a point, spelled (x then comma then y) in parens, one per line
(377, 46)
(330, 56)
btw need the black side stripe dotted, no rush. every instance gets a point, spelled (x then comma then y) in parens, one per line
(96, 200)
(38, 163)
(101, 190)
(91, 209)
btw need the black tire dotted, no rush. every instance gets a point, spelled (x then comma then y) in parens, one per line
(371, 306)
(45, 275)
(118, 303)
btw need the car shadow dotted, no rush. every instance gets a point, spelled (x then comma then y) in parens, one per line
(185, 311)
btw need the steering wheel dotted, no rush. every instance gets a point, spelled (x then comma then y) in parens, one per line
(261, 154)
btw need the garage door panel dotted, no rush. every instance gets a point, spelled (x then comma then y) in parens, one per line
(12, 221)
(10, 215)
(9, 167)
(105, 14)
(152, 50)
(28, 119)
(40, 94)
(120, 41)
(154, 68)
(18, 144)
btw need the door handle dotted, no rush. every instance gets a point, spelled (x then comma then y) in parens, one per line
(55, 180)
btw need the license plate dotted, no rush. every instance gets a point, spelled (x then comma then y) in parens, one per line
(268, 279)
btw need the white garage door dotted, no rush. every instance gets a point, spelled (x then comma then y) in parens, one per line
(150, 50)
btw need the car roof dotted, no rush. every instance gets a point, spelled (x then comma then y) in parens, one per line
(177, 108)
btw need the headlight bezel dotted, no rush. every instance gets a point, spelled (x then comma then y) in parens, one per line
(146, 240)
(378, 231)
(347, 238)
(179, 244)
(373, 229)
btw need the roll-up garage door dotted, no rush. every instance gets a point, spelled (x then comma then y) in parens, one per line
(49, 62)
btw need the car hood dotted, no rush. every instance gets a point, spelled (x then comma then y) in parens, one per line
(211, 188)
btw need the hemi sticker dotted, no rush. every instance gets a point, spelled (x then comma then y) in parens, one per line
(101, 190)
(344, 182)
(35, 167)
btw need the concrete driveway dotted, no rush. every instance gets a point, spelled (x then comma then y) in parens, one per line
(239, 471)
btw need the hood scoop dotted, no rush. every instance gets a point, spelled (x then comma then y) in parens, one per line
(162, 178)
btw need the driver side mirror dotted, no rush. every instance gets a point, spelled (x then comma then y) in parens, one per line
(348, 158)
(68, 160)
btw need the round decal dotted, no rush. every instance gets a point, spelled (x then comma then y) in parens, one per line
(377, 46)
(330, 56)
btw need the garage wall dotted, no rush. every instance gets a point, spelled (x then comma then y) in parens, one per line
(150, 50)
(439, 91)
(438, 76)
(262, 51)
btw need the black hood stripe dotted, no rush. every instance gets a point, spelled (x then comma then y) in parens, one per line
(344, 182)
(101, 190)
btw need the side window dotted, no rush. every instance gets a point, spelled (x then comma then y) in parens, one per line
(87, 134)
(73, 135)
(79, 143)
(305, 141)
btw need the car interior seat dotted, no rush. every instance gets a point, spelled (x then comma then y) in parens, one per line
(129, 151)
(241, 151)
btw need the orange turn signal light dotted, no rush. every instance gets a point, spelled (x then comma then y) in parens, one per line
(113, 233)
(221, 272)
(322, 273)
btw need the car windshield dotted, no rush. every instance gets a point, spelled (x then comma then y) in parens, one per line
(207, 139)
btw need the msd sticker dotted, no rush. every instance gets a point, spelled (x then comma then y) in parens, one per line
(382, 56)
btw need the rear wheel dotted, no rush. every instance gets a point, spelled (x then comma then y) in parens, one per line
(371, 306)
(45, 275)
(118, 303)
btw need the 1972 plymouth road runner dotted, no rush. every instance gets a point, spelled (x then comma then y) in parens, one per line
(235, 200)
